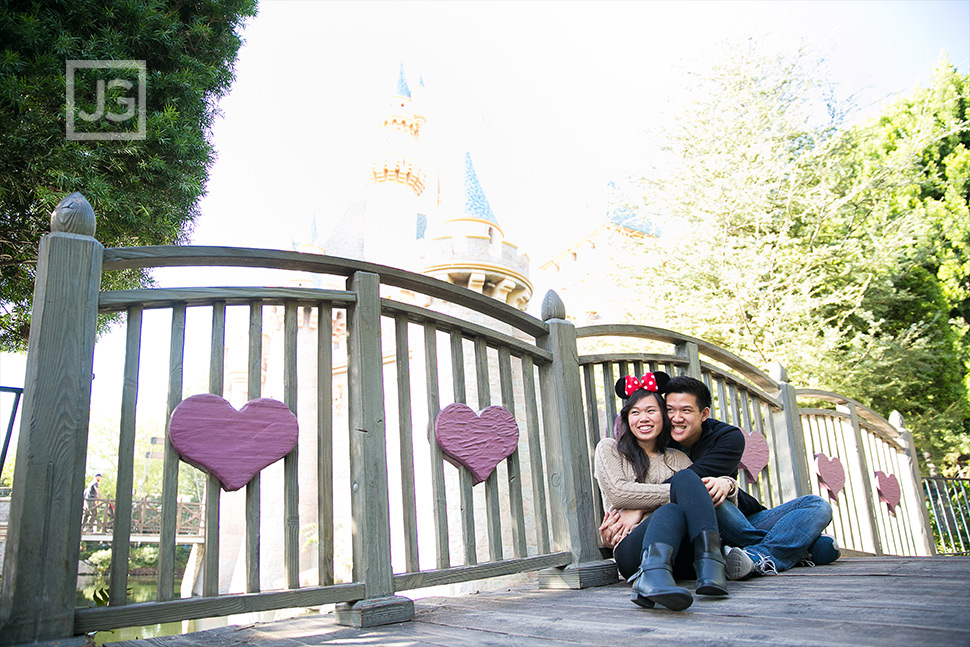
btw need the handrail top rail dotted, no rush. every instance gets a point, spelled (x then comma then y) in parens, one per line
(756, 375)
(122, 258)
(870, 416)
(151, 298)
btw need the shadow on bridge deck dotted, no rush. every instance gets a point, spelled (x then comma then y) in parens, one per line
(883, 601)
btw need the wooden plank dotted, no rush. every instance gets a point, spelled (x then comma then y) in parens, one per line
(253, 390)
(516, 504)
(740, 382)
(448, 323)
(405, 424)
(120, 546)
(170, 468)
(493, 515)
(437, 459)
(187, 256)
(464, 477)
(149, 613)
(478, 572)
(325, 444)
(291, 478)
(217, 367)
(535, 455)
(153, 298)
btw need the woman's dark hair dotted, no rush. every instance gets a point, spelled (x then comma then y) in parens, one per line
(627, 443)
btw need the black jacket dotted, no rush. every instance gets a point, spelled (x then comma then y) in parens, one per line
(717, 453)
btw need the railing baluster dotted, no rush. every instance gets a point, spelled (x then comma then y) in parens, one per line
(170, 469)
(291, 493)
(516, 505)
(325, 444)
(120, 541)
(593, 434)
(493, 518)
(408, 499)
(464, 478)
(437, 460)
(535, 455)
(253, 391)
(217, 367)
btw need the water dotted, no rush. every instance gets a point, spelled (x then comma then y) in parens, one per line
(141, 589)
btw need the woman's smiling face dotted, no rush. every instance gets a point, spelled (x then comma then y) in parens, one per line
(645, 419)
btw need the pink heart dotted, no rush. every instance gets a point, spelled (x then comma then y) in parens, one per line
(477, 441)
(755, 456)
(888, 488)
(831, 476)
(233, 446)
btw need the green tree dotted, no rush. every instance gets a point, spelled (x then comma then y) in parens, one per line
(144, 192)
(789, 236)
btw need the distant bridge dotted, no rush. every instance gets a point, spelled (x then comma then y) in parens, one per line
(97, 521)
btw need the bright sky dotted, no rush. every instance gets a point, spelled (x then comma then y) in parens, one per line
(552, 99)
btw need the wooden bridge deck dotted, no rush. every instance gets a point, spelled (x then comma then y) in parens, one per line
(885, 601)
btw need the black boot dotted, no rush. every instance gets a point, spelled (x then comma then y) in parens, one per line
(709, 564)
(654, 582)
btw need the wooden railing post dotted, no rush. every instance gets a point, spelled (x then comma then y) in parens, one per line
(789, 440)
(868, 523)
(368, 464)
(567, 458)
(915, 495)
(40, 566)
(689, 351)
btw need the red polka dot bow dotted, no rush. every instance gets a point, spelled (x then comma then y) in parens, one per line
(649, 382)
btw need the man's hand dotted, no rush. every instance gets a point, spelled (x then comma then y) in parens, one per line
(719, 488)
(617, 524)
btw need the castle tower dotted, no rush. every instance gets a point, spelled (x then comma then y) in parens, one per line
(469, 249)
(396, 192)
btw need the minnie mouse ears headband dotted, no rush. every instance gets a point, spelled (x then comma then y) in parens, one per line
(656, 382)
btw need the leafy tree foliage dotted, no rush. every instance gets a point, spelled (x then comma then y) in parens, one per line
(840, 252)
(144, 192)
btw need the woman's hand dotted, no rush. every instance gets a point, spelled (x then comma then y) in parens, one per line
(719, 487)
(617, 524)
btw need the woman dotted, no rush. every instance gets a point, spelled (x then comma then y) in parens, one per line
(637, 471)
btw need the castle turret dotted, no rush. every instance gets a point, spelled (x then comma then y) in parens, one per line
(469, 249)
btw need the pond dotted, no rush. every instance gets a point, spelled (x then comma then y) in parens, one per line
(140, 589)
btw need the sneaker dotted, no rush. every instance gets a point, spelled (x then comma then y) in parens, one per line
(825, 550)
(738, 565)
(762, 565)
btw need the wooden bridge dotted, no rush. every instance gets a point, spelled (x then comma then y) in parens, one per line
(411, 345)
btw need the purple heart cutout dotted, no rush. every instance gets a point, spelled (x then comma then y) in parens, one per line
(831, 474)
(888, 487)
(755, 456)
(233, 446)
(477, 441)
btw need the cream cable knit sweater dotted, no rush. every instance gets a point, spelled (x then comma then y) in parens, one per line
(618, 483)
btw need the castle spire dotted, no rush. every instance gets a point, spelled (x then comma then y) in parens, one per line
(402, 84)
(476, 204)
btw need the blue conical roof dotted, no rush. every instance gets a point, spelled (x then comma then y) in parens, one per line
(476, 204)
(402, 84)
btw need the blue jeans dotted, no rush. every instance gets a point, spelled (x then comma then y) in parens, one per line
(783, 534)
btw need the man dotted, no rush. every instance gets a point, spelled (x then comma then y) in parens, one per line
(92, 496)
(775, 539)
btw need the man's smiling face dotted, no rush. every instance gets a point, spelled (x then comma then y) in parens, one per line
(685, 417)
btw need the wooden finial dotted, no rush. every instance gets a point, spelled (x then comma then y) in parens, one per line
(552, 307)
(778, 372)
(73, 215)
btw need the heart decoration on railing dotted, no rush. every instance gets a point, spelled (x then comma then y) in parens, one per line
(755, 456)
(889, 491)
(477, 441)
(831, 475)
(231, 445)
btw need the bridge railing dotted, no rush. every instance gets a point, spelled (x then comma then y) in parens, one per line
(366, 356)
(767, 406)
(363, 461)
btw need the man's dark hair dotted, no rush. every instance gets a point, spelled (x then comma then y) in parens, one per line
(696, 388)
